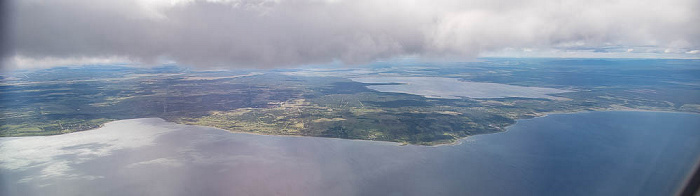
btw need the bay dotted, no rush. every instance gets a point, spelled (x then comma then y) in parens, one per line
(591, 153)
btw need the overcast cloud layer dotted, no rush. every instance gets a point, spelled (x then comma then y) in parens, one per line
(272, 33)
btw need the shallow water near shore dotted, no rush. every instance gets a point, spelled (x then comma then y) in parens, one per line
(593, 153)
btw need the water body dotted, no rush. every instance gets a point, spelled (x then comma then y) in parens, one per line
(453, 88)
(597, 153)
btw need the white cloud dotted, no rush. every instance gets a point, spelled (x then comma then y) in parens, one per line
(24, 62)
(159, 162)
(254, 33)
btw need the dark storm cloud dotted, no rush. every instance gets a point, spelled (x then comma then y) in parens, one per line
(6, 43)
(265, 33)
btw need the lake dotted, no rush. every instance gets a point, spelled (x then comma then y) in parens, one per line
(453, 88)
(592, 153)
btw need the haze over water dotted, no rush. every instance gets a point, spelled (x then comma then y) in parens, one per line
(596, 153)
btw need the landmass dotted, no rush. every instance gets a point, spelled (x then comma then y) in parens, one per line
(334, 103)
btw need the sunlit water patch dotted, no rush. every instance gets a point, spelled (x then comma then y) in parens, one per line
(453, 88)
(597, 153)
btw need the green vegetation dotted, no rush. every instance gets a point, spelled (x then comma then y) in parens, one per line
(64, 100)
(51, 127)
(425, 126)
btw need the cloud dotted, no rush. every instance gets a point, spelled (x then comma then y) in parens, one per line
(270, 33)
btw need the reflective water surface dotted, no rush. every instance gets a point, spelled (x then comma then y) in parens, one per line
(595, 153)
(453, 88)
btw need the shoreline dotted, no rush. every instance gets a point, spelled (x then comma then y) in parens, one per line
(457, 141)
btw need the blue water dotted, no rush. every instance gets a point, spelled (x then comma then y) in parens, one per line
(595, 153)
(600, 153)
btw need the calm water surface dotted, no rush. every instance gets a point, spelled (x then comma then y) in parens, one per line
(596, 153)
(453, 88)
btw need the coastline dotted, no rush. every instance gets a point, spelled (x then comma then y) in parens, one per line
(546, 114)
(456, 142)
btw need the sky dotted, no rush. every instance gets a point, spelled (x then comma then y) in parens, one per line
(288, 33)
